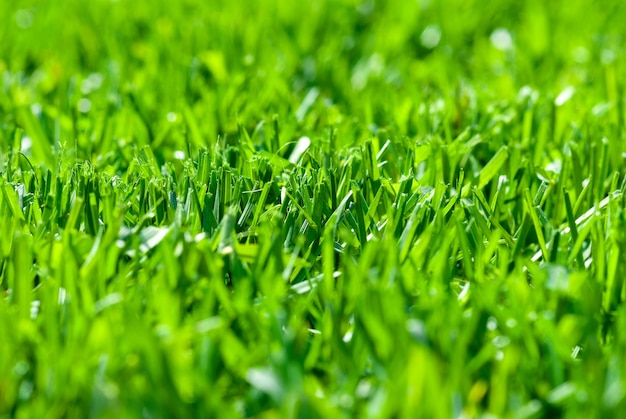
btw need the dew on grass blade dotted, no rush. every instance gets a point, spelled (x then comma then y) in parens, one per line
(171, 117)
(431, 36)
(565, 96)
(501, 39)
(265, 380)
(581, 54)
(36, 109)
(92, 83)
(607, 56)
(26, 146)
(24, 18)
(84, 105)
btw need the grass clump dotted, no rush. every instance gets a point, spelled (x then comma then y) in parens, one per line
(325, 209)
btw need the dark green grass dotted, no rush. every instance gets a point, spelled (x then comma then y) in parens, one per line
(331, 209)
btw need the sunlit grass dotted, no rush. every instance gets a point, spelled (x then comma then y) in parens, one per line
(312, 209)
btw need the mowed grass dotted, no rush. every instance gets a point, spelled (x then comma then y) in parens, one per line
(312, 209)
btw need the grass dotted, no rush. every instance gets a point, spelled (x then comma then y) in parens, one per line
(325, 209)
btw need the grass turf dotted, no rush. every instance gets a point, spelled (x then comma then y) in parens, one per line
(334, 208)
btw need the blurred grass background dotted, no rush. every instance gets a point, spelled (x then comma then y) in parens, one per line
(365, 62)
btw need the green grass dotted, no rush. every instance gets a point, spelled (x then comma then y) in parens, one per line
(312, 209)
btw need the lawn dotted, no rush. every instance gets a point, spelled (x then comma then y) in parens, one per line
(326, 208)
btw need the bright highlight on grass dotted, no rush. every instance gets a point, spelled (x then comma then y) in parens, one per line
(312, 209)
